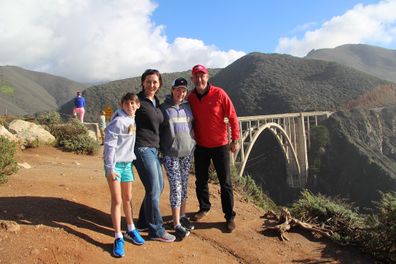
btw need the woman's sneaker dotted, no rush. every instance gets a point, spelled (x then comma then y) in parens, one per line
(186, 223)
(166, 237)
(135, 237)
(118, 248)
(181, 232)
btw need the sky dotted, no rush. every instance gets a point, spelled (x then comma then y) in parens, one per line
(102, 40)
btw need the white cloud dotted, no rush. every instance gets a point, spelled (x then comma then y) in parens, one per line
(94, 40)
(371, 24)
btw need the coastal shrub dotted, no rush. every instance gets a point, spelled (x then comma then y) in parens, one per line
(73, 136)
(380, 238)
(253, 193)
(8, 164)
(319, 139)
(332, 213)
(374, 234)
(247, 187)
(49, 119)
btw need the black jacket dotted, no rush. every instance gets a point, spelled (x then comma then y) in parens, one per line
(148, 122)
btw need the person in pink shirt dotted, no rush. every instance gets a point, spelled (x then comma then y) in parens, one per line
(79, 107)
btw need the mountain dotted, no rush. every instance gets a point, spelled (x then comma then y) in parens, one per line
(25, 92)
(109, 94)
(360, 159)
(359, 156)
(373, 60)
(273, 83)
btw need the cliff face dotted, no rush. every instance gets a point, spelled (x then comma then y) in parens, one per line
(360, 159)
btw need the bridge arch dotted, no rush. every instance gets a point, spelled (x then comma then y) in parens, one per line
(291, 130)
(285, 143)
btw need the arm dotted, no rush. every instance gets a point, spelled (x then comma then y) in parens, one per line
(110, 145)
(230, 113)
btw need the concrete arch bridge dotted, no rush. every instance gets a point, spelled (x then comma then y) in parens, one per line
(291, 130)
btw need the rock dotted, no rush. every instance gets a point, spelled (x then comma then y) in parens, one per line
(30, 134)
(10, 226)
(7, 134)
(24, 165)
(92, 135)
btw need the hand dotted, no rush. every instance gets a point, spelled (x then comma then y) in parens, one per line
(234, 146)
(114, 175)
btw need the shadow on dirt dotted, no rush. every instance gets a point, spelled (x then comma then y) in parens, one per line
(59, 213)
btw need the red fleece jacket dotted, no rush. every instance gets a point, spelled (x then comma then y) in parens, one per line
(209, 113)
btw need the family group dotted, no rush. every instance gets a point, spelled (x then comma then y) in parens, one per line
(189, 125)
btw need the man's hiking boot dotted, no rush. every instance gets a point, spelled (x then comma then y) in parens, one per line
(230, 224)
(200, 214)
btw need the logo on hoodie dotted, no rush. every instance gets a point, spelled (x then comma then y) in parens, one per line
(131, 129)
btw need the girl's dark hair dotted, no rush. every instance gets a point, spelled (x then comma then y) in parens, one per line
(151, 72)
(130, 97)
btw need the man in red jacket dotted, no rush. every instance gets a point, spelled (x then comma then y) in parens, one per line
(210, 105)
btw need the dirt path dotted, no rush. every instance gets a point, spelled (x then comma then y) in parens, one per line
(61, 206)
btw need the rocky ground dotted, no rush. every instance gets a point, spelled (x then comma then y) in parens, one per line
(57, 211)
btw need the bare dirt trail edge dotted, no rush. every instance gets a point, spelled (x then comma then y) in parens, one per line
(58, 212)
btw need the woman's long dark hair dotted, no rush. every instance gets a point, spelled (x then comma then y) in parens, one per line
(151, 72)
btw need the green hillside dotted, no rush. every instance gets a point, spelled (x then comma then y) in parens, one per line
(26, 92)
(360, 159)
(272, 83)
(373, 60)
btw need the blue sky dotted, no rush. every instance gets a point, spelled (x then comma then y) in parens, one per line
(255, 25)
(104, 40)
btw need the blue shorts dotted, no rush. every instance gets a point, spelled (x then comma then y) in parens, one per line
(124, 171)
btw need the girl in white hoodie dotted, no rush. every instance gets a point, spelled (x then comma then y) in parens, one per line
(118, 156)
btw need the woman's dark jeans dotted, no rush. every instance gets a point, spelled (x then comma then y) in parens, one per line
(150, 173)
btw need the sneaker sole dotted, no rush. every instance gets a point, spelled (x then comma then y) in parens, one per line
(162, 239)
(187, 234)
(117, 256)
(132, 240)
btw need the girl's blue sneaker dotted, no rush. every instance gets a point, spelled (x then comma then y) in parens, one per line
(135, 237)
(118, 248)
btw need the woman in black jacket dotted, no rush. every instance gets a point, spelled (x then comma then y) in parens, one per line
(148, 121)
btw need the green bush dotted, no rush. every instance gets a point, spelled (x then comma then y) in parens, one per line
(246, 186)
(31, 144)
(334, 214)
(374, 234)
(380, 238)
(320, 138)
(253, 193)
(7, 163)
(73, 136)
(49, 119)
